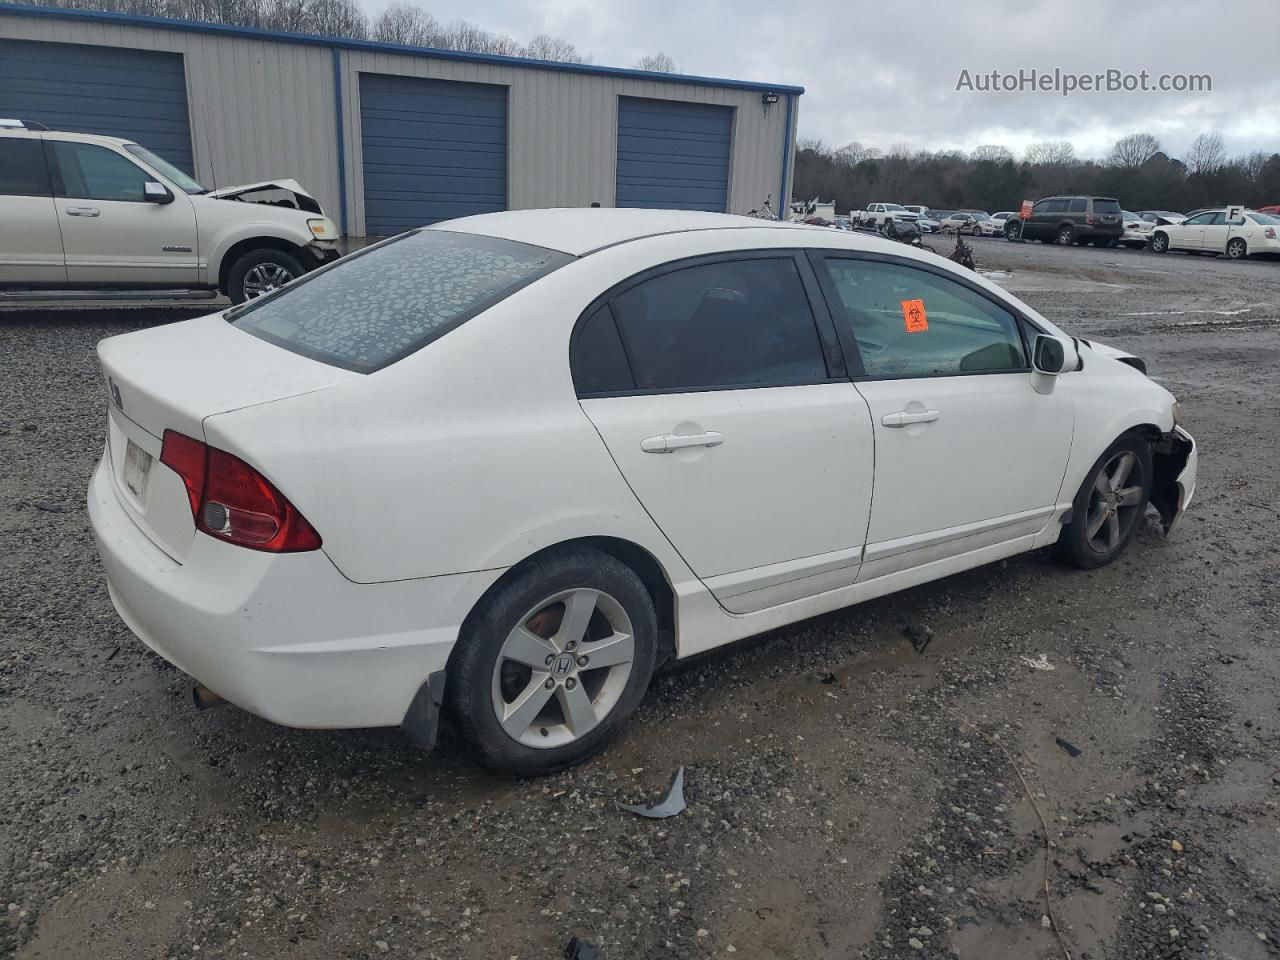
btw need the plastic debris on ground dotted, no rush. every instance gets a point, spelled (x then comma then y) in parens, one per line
(1040, 662)
(579, 949)
(672, 804)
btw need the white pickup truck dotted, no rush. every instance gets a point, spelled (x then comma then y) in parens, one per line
(90, 217)
(877, 213)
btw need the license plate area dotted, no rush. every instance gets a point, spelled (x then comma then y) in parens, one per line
(137, 470)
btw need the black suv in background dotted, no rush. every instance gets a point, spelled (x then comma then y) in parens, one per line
(1068, 220)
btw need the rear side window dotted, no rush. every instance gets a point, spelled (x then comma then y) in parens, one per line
(598, 361)
(1106, 206)
(90, 172)
(375, 307)
(22, 169)
(1078, 205)
(912, 323)
(730, 324)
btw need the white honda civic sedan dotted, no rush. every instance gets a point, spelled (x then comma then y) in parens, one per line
(509, 465)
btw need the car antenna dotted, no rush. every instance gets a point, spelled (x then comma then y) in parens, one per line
(213, 171)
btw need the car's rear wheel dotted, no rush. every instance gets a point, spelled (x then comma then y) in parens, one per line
(261, 271)
(552, 662)
(1159, 242)
(1011, 230)
(1109, 505)
(1066, 235)
(1236, 248)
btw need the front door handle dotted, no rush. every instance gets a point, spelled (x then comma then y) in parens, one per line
(670, 442)
(902, 418)
(83, 211)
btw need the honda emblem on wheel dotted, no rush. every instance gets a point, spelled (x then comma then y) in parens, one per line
(563, 664)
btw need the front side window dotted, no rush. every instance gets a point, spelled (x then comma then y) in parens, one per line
(1200, 220)
(737, 323)
(186, 184)
(377, 306)
(90, 172)
(912, 323)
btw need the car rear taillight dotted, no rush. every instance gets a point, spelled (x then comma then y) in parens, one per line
(1088, 218)
(232, 501)
(1269, 233)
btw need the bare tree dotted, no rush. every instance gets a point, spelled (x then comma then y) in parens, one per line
(1134, 150)
(1253, 164)
(469, 38)
(1206, 154)
(337, 18)
(544, 47)
(992, 152)
(1050, 153)
(657, 63)
(405, 24)
(851, 154)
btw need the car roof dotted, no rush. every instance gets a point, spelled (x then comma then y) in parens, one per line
(580, 230)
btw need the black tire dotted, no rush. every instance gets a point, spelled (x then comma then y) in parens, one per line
(1159, 242)
(271, 261)
(1075, 544)
(470, 692)
(1011, 232)
(1066, 235)
(1237, 249)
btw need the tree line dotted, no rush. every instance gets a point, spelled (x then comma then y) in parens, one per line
(1136, 171)
(402, 23)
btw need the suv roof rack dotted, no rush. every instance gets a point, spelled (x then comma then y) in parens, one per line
(7, 124)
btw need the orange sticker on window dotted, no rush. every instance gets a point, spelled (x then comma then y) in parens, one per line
(913, 315)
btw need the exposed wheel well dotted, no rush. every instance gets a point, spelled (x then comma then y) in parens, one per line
(640, 561)
(238, 250)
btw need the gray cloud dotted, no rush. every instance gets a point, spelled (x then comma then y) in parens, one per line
(886, 73)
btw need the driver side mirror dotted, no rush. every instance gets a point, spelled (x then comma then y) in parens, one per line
(1054, 355)
(156, 192)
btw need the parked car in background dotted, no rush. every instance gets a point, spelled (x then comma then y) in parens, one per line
(84, 213)
(877, 213)
(1211, 232)
(1273, 210)
(1137, 230)
(959, 223)
(1068, 220)
(924, 218)
(994, 225)
(260, 511)
(1161, 216)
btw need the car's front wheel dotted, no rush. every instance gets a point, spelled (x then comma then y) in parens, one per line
(1159, 242)
(1109, 505)
(552, 662)
(261, 271)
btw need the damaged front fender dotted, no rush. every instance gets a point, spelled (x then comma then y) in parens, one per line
(1175, 462)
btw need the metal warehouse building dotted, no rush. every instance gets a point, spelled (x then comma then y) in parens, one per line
(390, 137)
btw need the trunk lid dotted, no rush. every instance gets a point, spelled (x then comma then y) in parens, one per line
(172, 378)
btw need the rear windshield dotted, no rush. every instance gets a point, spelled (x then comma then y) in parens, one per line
(1106, 206)
(379, 305)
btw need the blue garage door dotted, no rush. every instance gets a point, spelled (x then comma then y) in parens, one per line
(673, 155)
(136, 94)
(433, 150)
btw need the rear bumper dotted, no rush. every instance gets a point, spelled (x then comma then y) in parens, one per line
(286, 637)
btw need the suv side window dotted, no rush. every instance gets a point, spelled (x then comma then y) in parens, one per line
(1055, 206)
(957, 331)
(22, 169)
(734, 323)
(90, 172)
(1078, 205)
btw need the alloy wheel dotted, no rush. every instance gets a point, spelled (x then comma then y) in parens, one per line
(1066, 235)
(1114, 502)
(1235, 249)
(263, 278)
(563, 668)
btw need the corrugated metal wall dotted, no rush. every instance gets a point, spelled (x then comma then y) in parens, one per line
(263, 108)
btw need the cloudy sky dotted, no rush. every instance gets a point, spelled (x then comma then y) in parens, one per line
(885, 73)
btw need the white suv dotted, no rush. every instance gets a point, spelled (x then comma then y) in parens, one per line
(87, 213)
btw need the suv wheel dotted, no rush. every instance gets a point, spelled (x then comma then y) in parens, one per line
(1159, 242)
(1236, 249)
(552, 663)
(1011, 230)
(1109, 505)
(261, 271)
(1066, 235)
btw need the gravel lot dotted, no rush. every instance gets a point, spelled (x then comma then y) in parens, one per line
(848, 796)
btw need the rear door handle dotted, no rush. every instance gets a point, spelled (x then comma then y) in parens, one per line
(670, 442)
(83, 211)
(902, 418)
